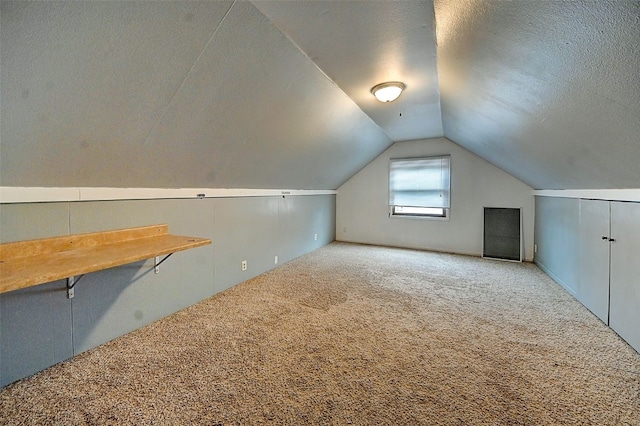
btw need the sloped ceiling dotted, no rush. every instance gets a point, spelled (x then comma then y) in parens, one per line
(170, 94)
(268, 94)
(360, 44)
(549, 91)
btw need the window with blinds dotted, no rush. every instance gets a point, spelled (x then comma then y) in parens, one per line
(420, 186)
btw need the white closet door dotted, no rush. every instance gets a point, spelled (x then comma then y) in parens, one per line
(625, 272)
(593, 287)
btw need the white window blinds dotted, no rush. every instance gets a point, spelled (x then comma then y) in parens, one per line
(420, 182)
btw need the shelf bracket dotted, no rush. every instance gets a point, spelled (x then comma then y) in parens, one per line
(156, 266)
(71, 282)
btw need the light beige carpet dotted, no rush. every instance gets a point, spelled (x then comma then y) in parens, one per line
(353, 334)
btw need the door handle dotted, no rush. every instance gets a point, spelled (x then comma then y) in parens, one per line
(605, 238)
(612, 240)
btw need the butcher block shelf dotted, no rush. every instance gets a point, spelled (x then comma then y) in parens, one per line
(29, 263)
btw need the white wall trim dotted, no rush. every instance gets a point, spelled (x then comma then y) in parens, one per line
(11, 194)
(596, 194)
(555, 278)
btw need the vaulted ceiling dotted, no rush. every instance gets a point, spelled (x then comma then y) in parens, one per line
(549, 91)
(271, 94)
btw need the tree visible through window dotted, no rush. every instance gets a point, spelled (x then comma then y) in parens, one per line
(420, 186)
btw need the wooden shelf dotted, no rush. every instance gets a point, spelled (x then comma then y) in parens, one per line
(29, 263)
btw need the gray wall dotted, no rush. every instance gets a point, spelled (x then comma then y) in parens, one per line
(556, 239)
(363, 202)
(602, 275)
(39, 326)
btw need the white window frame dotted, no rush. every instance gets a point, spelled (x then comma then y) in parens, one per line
(420, 212)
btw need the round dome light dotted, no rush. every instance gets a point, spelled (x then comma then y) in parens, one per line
(388, 92)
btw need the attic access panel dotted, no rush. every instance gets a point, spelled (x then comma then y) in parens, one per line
(502, 234)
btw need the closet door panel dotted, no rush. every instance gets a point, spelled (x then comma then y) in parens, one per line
(593, 287)
(624, 315)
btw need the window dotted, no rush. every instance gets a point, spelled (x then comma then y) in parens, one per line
(420, 187)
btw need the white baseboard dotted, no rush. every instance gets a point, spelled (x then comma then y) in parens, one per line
(555, 278)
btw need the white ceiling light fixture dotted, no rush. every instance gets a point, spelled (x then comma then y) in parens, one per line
(388, 92)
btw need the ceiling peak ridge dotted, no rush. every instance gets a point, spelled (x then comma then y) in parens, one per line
(324, 74)
(186, 76)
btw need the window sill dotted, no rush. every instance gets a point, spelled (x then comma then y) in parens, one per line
(404, 216)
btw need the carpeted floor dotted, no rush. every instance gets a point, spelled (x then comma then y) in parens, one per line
(353, 334)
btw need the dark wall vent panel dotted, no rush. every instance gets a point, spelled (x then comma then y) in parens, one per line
(502, 237)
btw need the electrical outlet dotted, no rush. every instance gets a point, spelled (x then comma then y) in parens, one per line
(276, 260)
(244, 265)
(315, 237)
(344, 230)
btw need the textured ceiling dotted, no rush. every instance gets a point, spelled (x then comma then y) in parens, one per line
(170, 94)
(360, 44)
(233, 94)
(549, 91)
